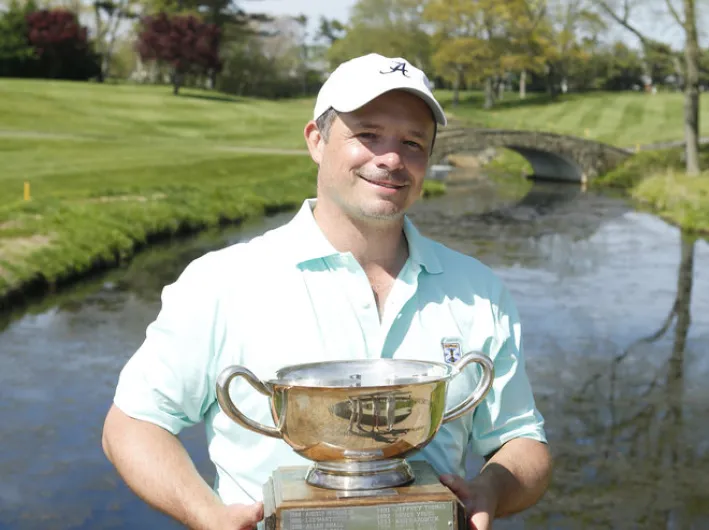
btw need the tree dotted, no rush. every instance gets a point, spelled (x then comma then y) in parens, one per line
(60, 45)
(623, 68)
(473, 42)
(183, 41)
(460, 42)
(395, 28)
(330, 31)
(108, 15)
(15, 49)
(530, 41)
(691, 82)
(575, 31)
(621, 12)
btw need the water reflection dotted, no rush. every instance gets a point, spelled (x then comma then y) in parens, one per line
(616, 312)
(635, 457)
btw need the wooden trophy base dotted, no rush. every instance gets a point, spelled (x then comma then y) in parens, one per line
(290, 503)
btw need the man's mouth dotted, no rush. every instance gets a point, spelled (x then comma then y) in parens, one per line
(383, 183)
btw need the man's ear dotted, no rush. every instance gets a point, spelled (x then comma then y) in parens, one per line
(314, 140)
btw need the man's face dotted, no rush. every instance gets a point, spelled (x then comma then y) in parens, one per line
(373, 165)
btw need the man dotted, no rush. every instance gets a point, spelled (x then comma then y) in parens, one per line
(349, 277)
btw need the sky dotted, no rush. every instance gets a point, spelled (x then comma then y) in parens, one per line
(313, 9)
(652, 24)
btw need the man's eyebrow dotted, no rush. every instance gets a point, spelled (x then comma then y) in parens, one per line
(416, 133)
(367, 125)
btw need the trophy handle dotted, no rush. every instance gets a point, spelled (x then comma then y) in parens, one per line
(223, 381)
(480, 391)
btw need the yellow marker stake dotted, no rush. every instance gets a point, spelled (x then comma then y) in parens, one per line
(27, 191)
(587, 133)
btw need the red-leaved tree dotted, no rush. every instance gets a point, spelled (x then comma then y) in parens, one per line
(61, 46)
(183, 41)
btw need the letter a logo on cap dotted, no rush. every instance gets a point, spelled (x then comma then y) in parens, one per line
(397, 67)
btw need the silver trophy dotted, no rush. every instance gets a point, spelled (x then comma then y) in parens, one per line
(357, 421)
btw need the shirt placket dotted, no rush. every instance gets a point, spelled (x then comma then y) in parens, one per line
(361, 298)
(403, 290)
(374, 330)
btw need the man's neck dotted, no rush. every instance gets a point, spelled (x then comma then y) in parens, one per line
(375, 245)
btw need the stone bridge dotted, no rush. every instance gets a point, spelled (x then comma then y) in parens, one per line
(552, 156)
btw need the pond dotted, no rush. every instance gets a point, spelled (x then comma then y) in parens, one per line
(615, 312)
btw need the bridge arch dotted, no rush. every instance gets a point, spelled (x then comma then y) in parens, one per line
(552, 156)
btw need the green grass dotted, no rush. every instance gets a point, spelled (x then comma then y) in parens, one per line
(658, 182)
(624, 119)
(111, 168)
(131, 113)
(678, 198)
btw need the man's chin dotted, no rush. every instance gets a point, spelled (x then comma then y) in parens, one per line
(382, 212)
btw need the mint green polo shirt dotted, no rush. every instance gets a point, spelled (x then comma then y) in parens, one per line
(288, 297)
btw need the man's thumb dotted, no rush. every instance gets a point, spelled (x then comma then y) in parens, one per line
(249, 515)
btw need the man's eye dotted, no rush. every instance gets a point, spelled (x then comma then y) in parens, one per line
(413, 144)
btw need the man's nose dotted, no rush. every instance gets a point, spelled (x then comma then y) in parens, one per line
(389, 157)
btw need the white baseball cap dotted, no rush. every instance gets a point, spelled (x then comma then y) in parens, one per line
(358, 81)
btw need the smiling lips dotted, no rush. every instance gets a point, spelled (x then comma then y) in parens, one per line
(383, 183)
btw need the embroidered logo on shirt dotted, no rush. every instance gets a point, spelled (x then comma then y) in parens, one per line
(452, 350)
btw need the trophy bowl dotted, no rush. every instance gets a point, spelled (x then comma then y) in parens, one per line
(357, 420)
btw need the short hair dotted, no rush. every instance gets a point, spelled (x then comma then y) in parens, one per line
(326, 119)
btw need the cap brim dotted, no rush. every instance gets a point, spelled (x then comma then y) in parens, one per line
(366, 97)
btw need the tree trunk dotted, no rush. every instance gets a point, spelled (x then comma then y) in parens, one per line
(523, 84)
(500, 88)
(551, 89)
(691, 101)
(176, 81)
(456, 86)
(489, 94)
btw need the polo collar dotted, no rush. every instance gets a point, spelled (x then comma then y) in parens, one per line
(309, 243)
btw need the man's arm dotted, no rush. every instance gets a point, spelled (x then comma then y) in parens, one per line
(156, 466)
(512, 480)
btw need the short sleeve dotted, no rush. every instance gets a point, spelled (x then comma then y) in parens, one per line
(509, 410)
(170, 379)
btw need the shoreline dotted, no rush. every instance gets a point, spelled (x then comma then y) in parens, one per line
(25, 292)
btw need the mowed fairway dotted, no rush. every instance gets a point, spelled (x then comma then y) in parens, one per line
(76, 138)
(625, 119)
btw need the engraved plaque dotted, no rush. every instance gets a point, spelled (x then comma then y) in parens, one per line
(407, 516)
(292, 504)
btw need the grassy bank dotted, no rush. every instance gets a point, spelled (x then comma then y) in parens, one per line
(111, 168)
(657, 180)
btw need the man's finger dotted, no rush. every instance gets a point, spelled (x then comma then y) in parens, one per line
(247, 516)
(480, 521)
(458, 486)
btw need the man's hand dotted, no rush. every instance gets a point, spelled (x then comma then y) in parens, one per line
(239, 517)
(479, 501)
